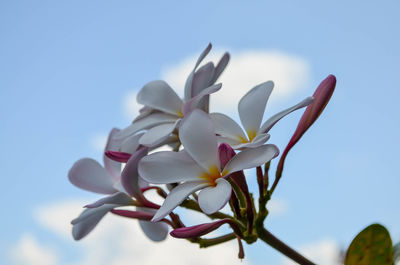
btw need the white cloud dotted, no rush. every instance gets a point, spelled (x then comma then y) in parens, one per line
(277, 207)
(130, 106)
(325, 251)
(245, 70)
(57, 217)
(120, 241)
(28, 251)
(98, 142)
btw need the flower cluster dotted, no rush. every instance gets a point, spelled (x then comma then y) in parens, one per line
(204, 169)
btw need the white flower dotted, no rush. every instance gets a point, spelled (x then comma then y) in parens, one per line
(89, 175)
(251, 111)
(198, 166)
(163, 108)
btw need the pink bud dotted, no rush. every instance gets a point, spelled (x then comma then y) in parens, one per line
(133, 214)
(118, 156)
(225, 154)
(139, 215)
(321, 96)
(200, 230)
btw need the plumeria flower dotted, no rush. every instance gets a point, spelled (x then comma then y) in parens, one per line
(163, 108)
(251, 111)
(120, 187)
(322, 95)
(198, 166)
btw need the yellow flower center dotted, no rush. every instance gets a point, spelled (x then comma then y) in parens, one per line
(212, 175)
(251, 134)
(179, 113)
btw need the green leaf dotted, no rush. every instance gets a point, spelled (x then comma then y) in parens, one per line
(372, 246)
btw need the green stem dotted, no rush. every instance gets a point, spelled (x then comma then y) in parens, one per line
(260, 181)
(208, 242)
(265, 177)
(274, 242)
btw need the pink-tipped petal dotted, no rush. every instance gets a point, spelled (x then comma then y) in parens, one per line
(274, 119)
(227, 127)
(169, 167)
(228, 140)
(321, 96)
(176, 196)
(220, 67)
(189, 80)
(146, 123)
(252, 106)
(89, 175)
(159, 95)
(197, 135)
(131, 143)
(118, 198)
(202, 78)
(252, 157)
(259, 140)
(197, 230)
(113, 167)
(212, 199)
(130, 175)
(154, 231)
(194, 102)
(158, 134)
(88, 220)
(144, 112)
(120, 157)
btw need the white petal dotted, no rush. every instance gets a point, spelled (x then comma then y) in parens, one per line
(159, 95)
(189, 80)
(118, 198)
(145, 123)
(130, 176)
(227, 127)
(194, 102)
(230, 141)
(113, 167)
(157, 134)
(251, 157)
(131, 143)
(176, 196)
(88, 220)
(220, 67)
(274, 119)
(212, 199)
(145, 111)
(89, 175)
(169, 167)
(118, 186)
(252, 106)
(202, 78)
(155, 231)
(197, 135)
(257, 141)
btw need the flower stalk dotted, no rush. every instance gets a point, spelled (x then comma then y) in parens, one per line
(203, 172)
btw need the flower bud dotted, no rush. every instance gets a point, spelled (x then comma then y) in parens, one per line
(202, 229)
(321, 97)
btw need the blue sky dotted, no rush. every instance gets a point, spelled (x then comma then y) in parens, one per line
(66, 68)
